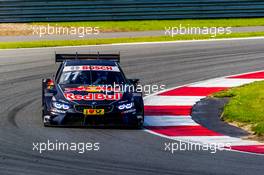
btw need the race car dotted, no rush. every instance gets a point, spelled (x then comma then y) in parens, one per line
(91, 89)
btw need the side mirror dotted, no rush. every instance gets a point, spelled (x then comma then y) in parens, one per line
(48, 84)
(47, 88)
(135, 82)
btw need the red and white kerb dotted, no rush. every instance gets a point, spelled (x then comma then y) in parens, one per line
(168, 114)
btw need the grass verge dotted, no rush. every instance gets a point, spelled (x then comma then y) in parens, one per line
(245, 106)
(54, 43)
(147, 25)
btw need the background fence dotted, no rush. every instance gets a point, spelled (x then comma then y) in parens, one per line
(73, 10)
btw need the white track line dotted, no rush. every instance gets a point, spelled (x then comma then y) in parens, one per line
(143, 43)
(224, 82)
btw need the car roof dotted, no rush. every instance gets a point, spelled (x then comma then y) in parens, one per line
(89, 62)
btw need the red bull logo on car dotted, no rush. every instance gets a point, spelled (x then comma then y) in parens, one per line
(92, 96)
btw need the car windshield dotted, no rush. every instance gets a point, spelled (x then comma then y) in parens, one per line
(91, 77)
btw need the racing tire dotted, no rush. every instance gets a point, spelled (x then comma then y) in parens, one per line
(44, 124)
(139, 124)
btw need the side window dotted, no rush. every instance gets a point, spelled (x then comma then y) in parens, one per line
(58, 72)
(122, 73)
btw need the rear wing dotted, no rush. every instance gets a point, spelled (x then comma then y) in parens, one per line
(98, 56)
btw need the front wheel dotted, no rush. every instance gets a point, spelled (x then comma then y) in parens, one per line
(45, 122)
(139, 124)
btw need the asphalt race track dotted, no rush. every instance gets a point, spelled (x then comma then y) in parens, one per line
(121, 151)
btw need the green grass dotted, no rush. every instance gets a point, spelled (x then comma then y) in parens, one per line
(31, 44)
(147, 25)
(246, 106)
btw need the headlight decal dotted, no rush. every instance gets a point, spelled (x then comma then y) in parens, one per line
(126, 106)
(61, 105)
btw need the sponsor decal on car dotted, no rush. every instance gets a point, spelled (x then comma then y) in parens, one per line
(92, 96)
(93, 111)
(92, 68)
(92, 89)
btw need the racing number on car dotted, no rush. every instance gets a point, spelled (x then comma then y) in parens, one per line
(93, 111)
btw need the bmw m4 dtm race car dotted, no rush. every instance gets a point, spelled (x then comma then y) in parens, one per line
(91, 89)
